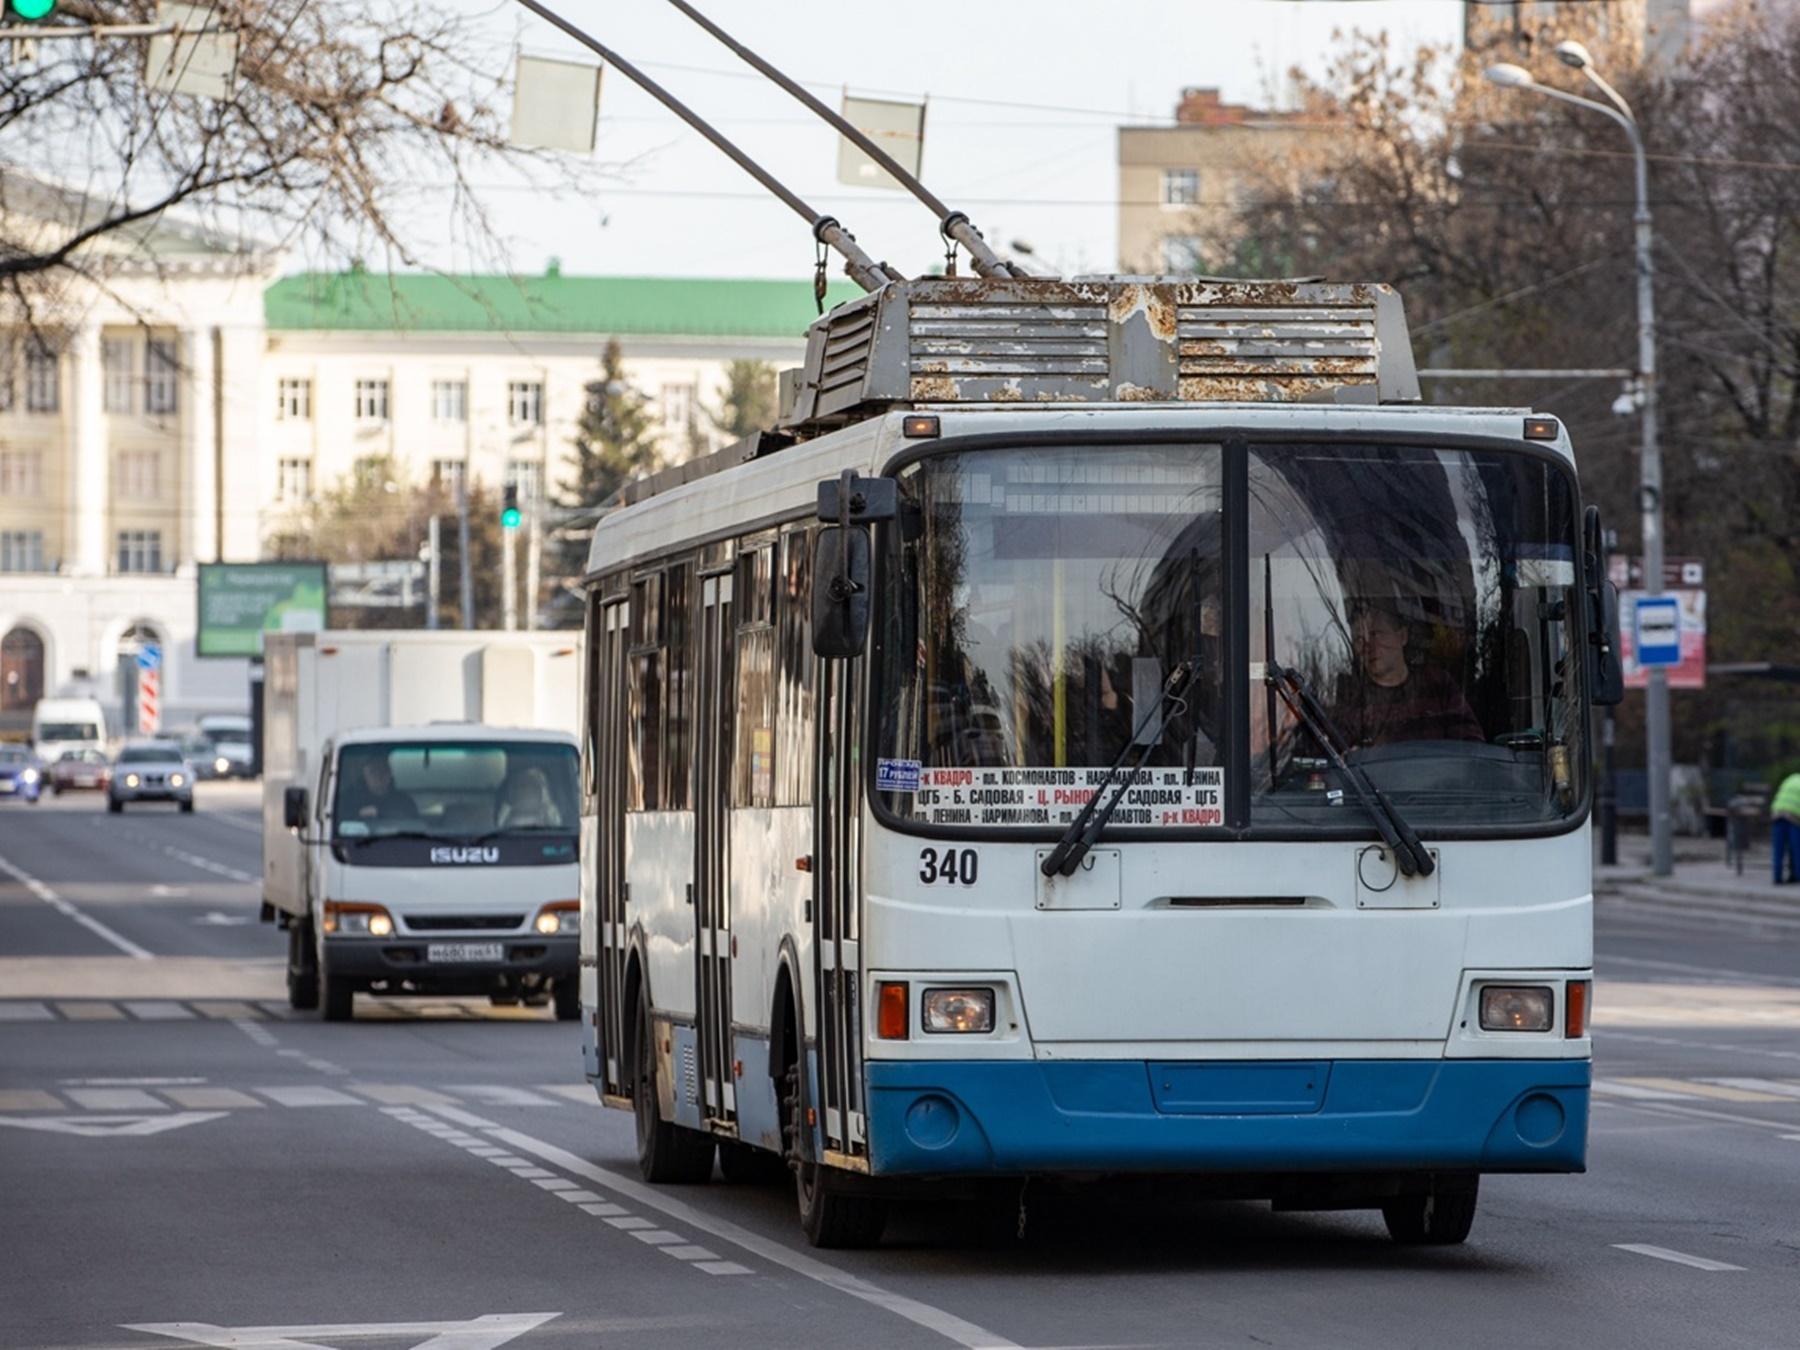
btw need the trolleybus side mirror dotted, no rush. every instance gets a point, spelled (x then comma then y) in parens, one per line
(842, 568)
(293, 808)
(1606, 672)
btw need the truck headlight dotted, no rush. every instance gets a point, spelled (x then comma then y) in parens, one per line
(958, 1010)
(1517, 1007)
(347, 919)
(559, 917)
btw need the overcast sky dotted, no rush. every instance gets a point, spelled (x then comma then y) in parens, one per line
(1024, 106)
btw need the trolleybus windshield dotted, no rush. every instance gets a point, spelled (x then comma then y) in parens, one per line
(1037, 597)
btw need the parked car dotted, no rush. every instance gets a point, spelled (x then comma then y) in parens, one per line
(151, 771)
(20, 776)
(79, 770)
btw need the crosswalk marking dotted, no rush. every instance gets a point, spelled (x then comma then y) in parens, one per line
(399, 1094)
(90, 1011)
(308, 1096)
(494, 1094)
(18, 1011)
(28, 1099)
(1691, 1088)
(582, 1094)
(157, 1010)
(115, 1099)
(211, 1098)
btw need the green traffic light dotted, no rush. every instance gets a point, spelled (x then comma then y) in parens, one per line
(32, 9)
(510, 518)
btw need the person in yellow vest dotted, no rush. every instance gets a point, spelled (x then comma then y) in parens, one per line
(1784, 830)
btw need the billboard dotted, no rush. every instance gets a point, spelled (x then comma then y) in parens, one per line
(1684, 584)
(239, 602)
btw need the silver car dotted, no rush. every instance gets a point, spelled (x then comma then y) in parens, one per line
(151, 771)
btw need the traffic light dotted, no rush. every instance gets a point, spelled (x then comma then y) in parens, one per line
(509, 508)
(31, 10)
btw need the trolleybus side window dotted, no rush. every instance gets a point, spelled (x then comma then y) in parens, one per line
(678, 756)
(753, 596)
(645, 741)
(795, 664)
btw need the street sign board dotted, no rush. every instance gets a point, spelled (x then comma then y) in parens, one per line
(239, 602)
(398, 584)
(898, 128)
(1657, 625)
(555, 104)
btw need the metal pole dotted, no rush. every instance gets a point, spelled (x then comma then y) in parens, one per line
(862, 269)
(1656, 695)
(509, 579)
(431, 545)
(534, 560)
(462, 552)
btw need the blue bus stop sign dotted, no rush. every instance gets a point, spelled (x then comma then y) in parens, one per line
(1658, 629)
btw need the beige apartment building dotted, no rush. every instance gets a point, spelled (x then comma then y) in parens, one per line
(1180, 186)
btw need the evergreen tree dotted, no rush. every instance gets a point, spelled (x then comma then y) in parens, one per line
(615, 441)
(747, 404)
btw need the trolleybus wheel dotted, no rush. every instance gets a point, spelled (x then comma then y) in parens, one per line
(1439, 1219)
(830, 1215)
(666, 1153)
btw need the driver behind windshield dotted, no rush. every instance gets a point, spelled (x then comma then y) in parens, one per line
(526, 803)
(371, 794)
(1393, 696)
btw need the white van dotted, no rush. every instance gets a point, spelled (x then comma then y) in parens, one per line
(60, 724)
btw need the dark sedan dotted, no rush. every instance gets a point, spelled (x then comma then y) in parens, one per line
(79, 771)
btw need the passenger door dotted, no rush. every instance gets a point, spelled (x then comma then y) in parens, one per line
(711, 894)
(607, 866)
(837, 879)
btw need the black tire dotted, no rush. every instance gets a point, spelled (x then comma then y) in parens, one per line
(1440, 1219)
(187, 807)
(338, 996)
(302, 969)
(744, 1165)
(667, 1154)
(567, 996)
(830, 1215)
(114, 806)
(56, 789)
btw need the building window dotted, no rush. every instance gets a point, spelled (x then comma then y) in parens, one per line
(160, 367)
(525, 403)
(677, 406)
(448, 475)
(21, 550)
(116, 363)
(1182, 254)
(139, 475)
(21, 473)
(1181, 187)
(527, 476)
(450, 400)
(42, 391)
(293, 480)
(371, 400)
(293, 400)
(140, 550)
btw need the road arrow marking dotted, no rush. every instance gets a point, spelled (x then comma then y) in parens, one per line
(111, 1127)
(478, 1333)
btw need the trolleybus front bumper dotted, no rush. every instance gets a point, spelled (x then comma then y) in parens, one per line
(1024, 1116)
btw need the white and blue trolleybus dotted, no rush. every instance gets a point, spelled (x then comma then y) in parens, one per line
(1111, 727)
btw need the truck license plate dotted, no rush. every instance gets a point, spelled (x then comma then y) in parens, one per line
(463, 951)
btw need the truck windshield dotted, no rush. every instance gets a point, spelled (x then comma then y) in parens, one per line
(1037, 598)
(455, 791)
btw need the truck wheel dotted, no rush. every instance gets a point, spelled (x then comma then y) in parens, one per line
(1440, 1219)
(667, 1154)
(829, 1215)
(302, 969)
(567, 994)
(338, 1004)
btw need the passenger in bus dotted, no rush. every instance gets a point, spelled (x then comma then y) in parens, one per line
(525, 802)
(1390, 698)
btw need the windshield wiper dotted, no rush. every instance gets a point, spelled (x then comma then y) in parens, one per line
(506, 830)
(1413, 857)
(360, 839)
(1086, 827)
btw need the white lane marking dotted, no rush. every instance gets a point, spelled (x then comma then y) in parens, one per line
(114, 1099)
(579, 1093)
(168, 892)
(395, 1094)
(130, 1082)
(156, 1010)
(112, 1127)
(1679, 1258)
(1701, 1113)
(478, 1333)
(261, 1035)
(208, 865)
(657, 1237)
(494, 1094)
(1791, 1136)
(1761, 1085)
(1637, 1093)
(688, 1251)
(1721, 974)
(26, 1012)
(307, 1096)
(938, 1320)
(68, 911)
(1684, 1044)
(215, 919)
(721, 1268)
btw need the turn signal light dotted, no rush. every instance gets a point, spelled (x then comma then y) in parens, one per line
(890, 1010)
(1576, 1014)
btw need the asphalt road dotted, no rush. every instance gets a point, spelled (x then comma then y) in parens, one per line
(182, 1162)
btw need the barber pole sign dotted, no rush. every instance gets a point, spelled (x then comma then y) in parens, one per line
(149, 688)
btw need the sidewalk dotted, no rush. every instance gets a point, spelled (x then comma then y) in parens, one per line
(1700, 874)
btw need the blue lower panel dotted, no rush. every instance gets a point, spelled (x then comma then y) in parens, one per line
(1491, 1115)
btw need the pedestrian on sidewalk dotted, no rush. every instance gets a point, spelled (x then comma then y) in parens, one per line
(1784, 831)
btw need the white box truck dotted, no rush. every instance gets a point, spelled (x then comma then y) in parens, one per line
(421, 814)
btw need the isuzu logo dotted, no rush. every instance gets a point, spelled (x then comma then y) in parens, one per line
(483, 854)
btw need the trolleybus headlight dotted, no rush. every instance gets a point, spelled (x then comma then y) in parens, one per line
(559, 917)
(1517, 1007)
(958, 1010)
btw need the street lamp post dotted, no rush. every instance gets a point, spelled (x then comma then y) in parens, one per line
(1650, 503)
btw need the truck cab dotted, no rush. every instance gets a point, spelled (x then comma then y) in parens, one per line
(437, 859)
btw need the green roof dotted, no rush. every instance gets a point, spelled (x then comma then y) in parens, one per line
(388, 302)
